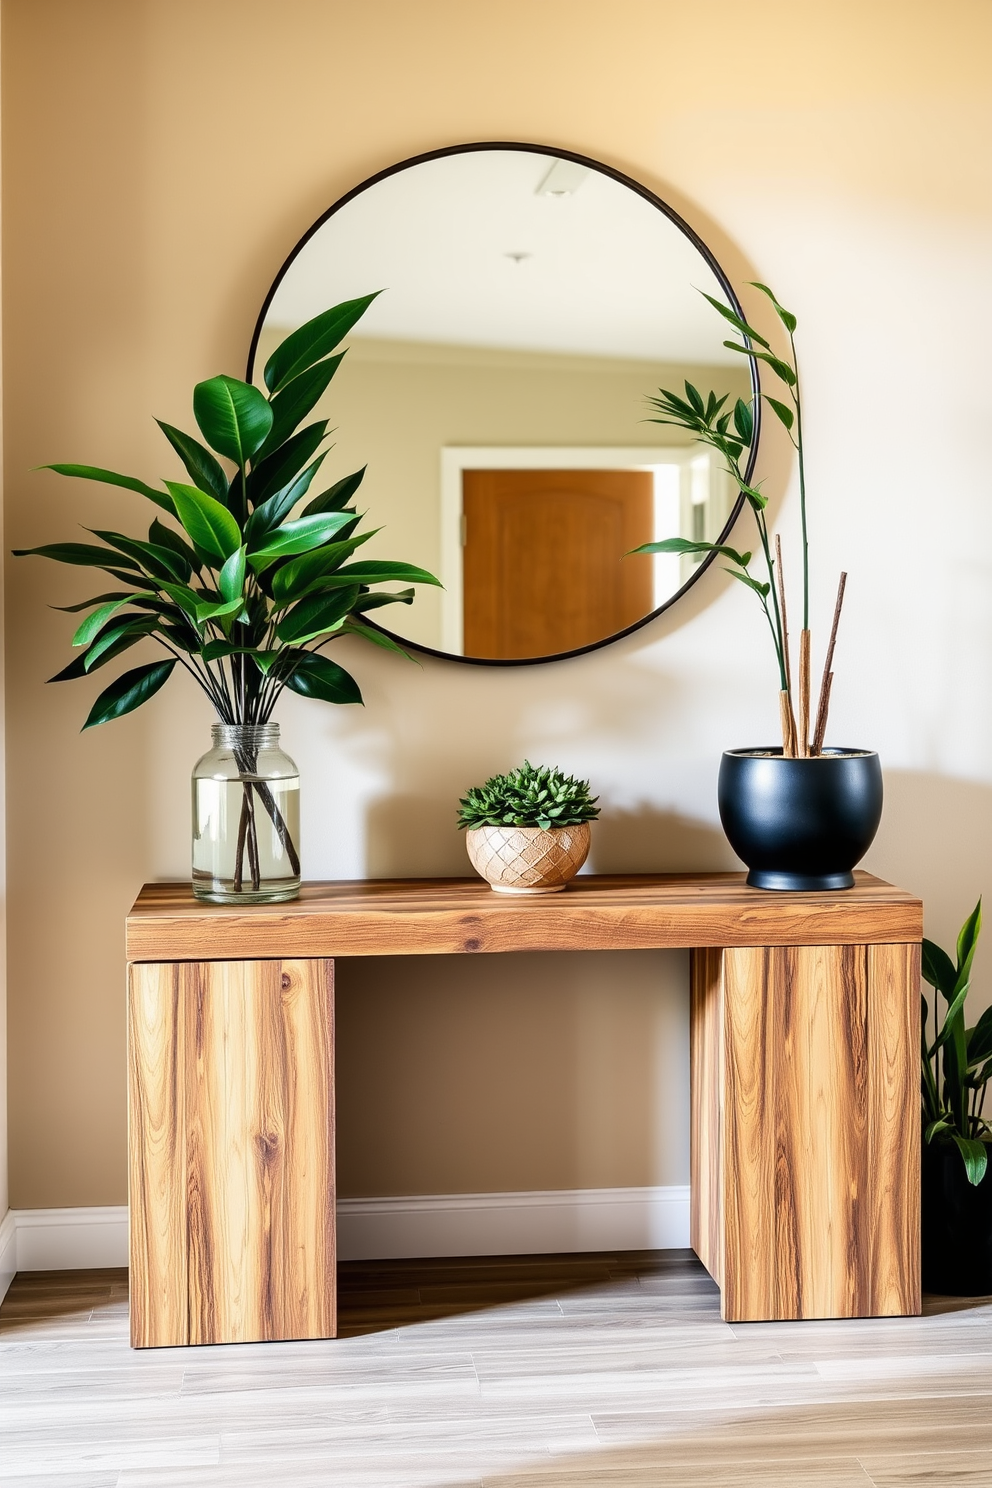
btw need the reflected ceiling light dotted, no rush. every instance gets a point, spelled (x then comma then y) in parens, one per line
(563, 179)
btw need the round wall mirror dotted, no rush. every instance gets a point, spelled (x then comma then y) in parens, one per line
(496, 390)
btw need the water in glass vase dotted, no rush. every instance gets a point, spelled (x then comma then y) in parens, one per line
(246, 818)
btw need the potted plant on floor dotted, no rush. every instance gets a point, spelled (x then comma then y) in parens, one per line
(243, 586)
(800, 814)
(527, 832)
(956, 1173)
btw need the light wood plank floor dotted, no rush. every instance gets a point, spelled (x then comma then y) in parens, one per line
(526, 1372)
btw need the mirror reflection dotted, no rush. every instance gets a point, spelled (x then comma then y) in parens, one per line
(496, 392)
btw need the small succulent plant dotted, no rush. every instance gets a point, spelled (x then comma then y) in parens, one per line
(528, 797)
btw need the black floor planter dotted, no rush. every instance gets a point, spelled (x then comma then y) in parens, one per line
(800, 823)
(957, 1225)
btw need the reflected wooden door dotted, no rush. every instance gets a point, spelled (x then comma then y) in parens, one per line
(543, 563)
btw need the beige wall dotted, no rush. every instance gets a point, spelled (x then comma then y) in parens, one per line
(160, 159)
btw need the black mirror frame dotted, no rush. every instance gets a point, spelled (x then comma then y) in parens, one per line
(701, 248)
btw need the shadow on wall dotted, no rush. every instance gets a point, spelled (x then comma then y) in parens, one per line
(651, 841)
(421, 833)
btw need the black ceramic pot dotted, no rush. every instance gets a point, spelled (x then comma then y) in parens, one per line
(800, 823)
(957, 1225)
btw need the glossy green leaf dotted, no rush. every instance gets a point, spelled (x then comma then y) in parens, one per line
(81, 665)
(377, 637)
(217, 650)
(670, 402)
(111, 478)
(968, 938)
(84, 555)
(266, 660)
(980, 1077)
(84, 604)
(209, 524)
(743, 421)
(164, 537)
(785, 316)
(754, 496)
(161, 563)
(296, 537)
(375, 599)
(318, 677)
(745, 578)
(202, 467)
(976, 1157)
(948, 1032)
(782, 410)
(938, 969)
(129, 691)
(980, 1040)
(278, 506)
(136, 626)
(685, 545)
(231, 580)
(313, 341)
(386, 571)
(735, 320)
(294, 579)
(316, 615)
(186, 599)
(234, 417)
(217, 609)
(337, 497)
(291, 406)
(695, 399)
(780, 368)
(95, 622)
(274, 473)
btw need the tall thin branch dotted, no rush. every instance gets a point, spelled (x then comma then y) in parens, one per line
(828, 667)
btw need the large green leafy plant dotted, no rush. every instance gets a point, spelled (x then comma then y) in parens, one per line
(250, 576)
(528, 797)
(731, 435)
(957, 1065)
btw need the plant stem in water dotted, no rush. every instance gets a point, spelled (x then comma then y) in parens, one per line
(279, 822)
(239, 852)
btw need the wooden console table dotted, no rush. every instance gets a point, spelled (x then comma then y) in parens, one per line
(805, 1086)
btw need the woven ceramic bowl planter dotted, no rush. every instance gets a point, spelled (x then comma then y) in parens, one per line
(528, 860)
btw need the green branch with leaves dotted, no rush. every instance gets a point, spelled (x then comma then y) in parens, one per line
(957, 1065)
(730, 433)
(243, 585)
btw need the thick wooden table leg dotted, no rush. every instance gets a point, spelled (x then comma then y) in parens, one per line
(806, 1129)
(231, 1151)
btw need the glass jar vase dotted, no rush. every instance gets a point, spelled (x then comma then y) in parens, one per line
(246, 818)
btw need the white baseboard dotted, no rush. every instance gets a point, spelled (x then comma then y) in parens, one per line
(8, 1252)
(69, 1239)
(541, 1223)
(545, 1222)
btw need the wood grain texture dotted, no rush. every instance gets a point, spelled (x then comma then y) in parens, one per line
(157, 1156)
(231, 1068)
(445, 916)
(894, 1021)
(820, 1132)
(706, 1083)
